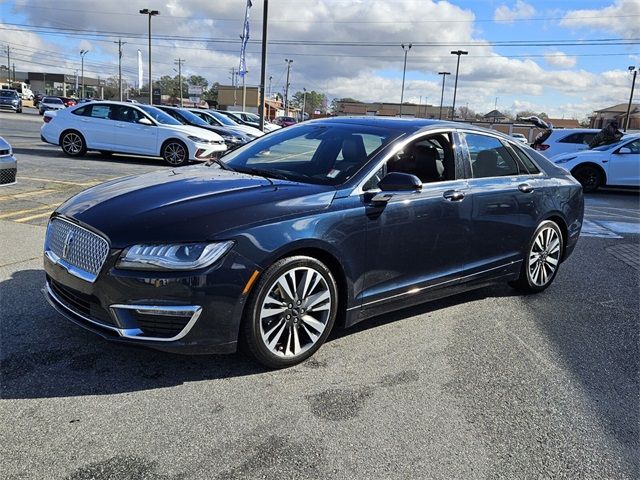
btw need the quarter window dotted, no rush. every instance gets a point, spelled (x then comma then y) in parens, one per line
(489, 157)
(526, 161)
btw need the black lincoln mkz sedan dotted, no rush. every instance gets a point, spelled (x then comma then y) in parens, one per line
(342, 218)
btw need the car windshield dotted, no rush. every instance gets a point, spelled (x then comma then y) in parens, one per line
(320, 153)
(159, 116)
(253, 117)
(192, 118)
(603, 148)
(51, 100)
(223, 119)
(7, 93)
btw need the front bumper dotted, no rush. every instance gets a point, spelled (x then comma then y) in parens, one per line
(10, 106)
(8, 170)
(204, 151)
(182, 312)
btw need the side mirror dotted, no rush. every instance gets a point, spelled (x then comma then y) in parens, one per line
(395, 184)
(625, 150)
(145, 121)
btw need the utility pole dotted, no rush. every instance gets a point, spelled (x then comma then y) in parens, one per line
(233, 84)
(263, 64)
(286, 87)
(244, 90)
(120, 43)
(304, 102)
(270, 78)
(179, 62)
(82, 54)
(455, 87)
(14, 71)
(633, 84)
(9, 63)
(404, 71)
(150, 13)
(444, 76)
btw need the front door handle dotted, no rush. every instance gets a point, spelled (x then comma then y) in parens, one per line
(453, 195)
(525, 188)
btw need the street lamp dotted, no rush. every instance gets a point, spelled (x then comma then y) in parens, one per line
(150, 13)
(82, 54)
(304, 102)
(406, 49)
(286, 87)
(455, 86)
(444, 75)
(633, 85)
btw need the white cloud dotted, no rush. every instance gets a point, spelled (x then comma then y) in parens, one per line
(521, 10)
(621, 18)
(560, 59)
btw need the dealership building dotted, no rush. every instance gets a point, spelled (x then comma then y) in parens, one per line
(61, 84)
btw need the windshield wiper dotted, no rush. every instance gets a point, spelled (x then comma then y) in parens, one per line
(220, 163)
(264, 173)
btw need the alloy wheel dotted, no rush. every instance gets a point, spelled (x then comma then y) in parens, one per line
(295, 312)
(72, 143)
(544, 256)
(175, 154)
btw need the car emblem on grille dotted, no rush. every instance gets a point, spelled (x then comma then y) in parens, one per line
(68, 240)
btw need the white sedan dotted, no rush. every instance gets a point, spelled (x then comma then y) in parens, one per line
(121, 127)
(617, 164)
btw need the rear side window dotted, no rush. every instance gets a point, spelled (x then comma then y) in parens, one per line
(526, 161)
(489, 157)
(581, 138)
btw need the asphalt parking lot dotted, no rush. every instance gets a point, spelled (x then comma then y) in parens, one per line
(489, 384)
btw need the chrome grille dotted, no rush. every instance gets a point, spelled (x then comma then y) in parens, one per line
(76, 247)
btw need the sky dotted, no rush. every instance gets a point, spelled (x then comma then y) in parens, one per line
(565, 58)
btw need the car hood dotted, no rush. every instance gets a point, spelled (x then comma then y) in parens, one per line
(191, 130)
(580, 154)
(189, 204)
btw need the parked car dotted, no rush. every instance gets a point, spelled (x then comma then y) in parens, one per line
(520, 137)
(10, 99)
(335, 218)
(284, 121)
(250, 119)
(51, 103)
(215, 118)
(8, 164)
(120, 127)
(37, 98)
(567, 141)
(68, 102)
(617, 164)
(232, 138)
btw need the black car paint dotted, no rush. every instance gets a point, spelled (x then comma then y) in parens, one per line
(385, 257)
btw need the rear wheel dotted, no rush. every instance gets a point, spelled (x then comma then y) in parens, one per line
(589, 177)
(541, 262)
(73, 144)
(291, 312)
(175, 153)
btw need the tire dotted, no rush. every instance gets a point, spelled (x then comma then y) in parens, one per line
(542, 260)
(73, 143)
(175, 153)
(589, 177)
(290, 313)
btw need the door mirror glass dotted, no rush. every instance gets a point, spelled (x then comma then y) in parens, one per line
(400, 182)
(624, 150)
(145, 121)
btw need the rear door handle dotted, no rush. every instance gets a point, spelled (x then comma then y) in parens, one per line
(453, 195)
(525, 188)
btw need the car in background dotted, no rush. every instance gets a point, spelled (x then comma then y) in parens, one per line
(567, 140)
(37, 98)
(68, 102)
(251, 119)
(232, 138)
(120, 127)
(285, 121)
(50, 103)
(520, 137)
(279, 240)
(10, 99)
(617, 164)
(215, 118)
(8, 164)
(85, 100)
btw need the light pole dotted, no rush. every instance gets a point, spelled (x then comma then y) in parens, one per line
(406, 49)
(304, 102)
(286, 87)
(263, 63)
(444, 76)
(455, 86)
(82, 54)
(633, 85)
(150, 13)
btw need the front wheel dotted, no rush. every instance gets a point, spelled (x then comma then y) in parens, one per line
(73, 144)
(291, 312)
(541, 262)
(589, 177)
(175, 153)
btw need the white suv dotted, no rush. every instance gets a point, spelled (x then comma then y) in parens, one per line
(121, 127)
(567, 140)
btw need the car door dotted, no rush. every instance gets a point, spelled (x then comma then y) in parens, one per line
(96, 126)
(131, 136)
(416, 242)
(504, 195)
(624, 165)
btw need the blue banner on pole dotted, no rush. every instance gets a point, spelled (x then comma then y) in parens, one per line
(242, 71)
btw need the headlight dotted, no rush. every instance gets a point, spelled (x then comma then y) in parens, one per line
(563, 160)
(231, 138)
(197, 139)
(186, 256)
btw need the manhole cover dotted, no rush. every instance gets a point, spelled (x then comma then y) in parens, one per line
(629, 253)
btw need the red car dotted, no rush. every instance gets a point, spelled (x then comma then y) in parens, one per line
(284, 121)
(68, 102)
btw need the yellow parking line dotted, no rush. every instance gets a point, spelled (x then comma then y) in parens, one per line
(28, 210)
(25, 194)
(32, 217)
(78, 184)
